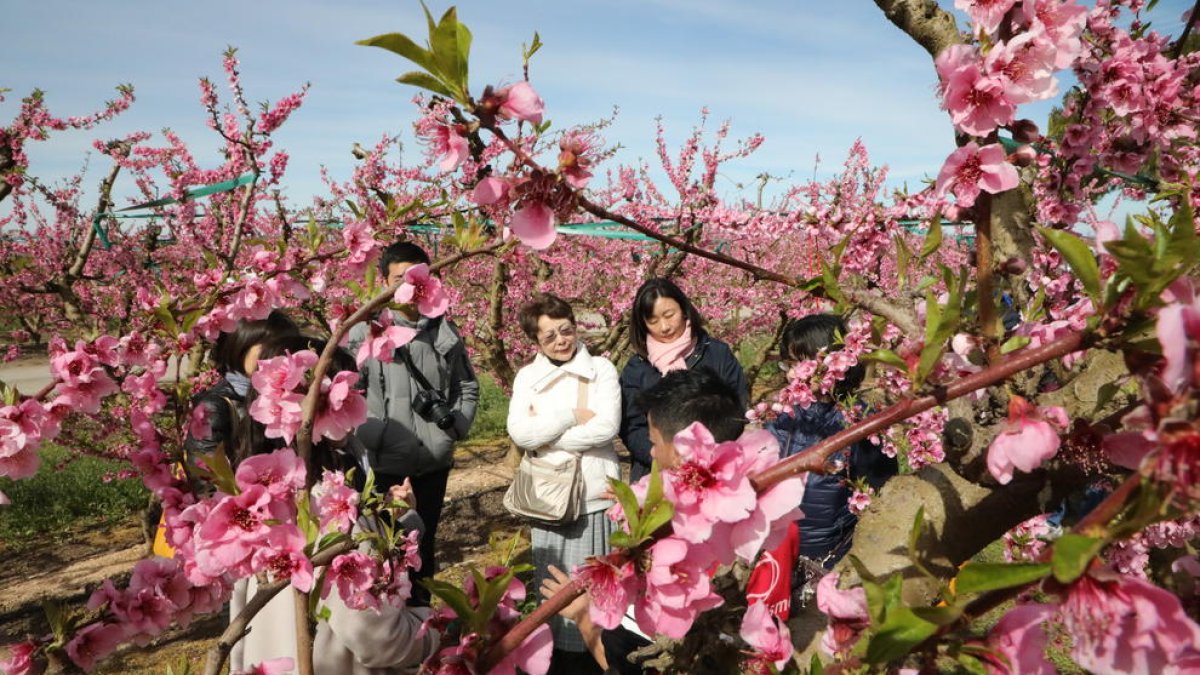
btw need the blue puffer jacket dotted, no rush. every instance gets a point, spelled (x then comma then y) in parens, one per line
(827, 526)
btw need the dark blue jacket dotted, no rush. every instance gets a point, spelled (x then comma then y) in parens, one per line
(827, 526)
(639, 375)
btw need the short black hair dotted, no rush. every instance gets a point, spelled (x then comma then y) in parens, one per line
(229, 351)
(805, 338)
(401, 252)
(682, 397)
(643, 307)
(544, 304)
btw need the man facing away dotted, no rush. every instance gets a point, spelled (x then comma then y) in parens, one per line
(418, 405)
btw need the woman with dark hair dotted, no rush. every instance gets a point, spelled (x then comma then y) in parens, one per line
(566, 410)
(235, 356)
(382, 641)
(667, 333)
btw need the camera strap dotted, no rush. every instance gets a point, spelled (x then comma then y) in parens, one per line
(413, 370)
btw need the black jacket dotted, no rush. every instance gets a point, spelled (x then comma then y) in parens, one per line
(225, 408)
(827, 526)
(639, 375)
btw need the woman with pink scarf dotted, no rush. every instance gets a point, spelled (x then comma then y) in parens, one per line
(667, 333)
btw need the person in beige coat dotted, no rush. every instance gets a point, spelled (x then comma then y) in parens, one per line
(567, 404)
(353, 642)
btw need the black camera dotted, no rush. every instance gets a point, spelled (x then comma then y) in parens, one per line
(432, 407)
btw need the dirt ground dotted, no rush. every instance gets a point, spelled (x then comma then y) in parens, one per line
(68, 572)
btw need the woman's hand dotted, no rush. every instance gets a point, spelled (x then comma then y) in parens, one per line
(582, 415)
(401, 493)
(579, 607)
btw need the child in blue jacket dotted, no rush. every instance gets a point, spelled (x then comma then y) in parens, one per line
(828, 525)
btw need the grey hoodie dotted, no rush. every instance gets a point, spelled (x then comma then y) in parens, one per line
(398, 440)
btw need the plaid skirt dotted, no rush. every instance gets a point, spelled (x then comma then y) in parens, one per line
(565, 547)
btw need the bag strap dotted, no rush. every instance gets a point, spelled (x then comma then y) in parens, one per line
(581, 393)
(413, 370)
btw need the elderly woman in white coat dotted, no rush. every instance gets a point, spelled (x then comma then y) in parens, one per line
(567, 403)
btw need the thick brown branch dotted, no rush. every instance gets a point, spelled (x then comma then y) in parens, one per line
(929, 25)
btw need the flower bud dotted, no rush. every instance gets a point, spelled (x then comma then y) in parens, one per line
(1013, 266)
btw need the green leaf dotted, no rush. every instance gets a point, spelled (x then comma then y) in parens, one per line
(1079, 256)
(450, 43)
(976, 577)
(902, 631)
(399, 43)
(426, 81)
(903, 256)
(1072, 553)
(628, 502)
(1014, 343)
(655, 517)
(829, 277)
(454, 598)
(815, 667)
(933, 238)
(888, 357)
(622, 539)
(941, 616)
(490, 592)
(914, 533)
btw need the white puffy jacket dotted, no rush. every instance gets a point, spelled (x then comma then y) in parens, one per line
(541, 416)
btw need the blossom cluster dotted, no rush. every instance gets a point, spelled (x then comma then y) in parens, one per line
(718, 518)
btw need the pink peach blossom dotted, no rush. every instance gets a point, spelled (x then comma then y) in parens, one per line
(977, 101)
(94, 642)
(424, 290)
(847, 612)
(20, 659)
(768, 637)
(972, 169)
(986, 13)
(282, 556)
(449, 142)
(1121, 624)
(342, 408)
(534, 225)
(677, 590)
(1178, 330)
(383, 339)
(335, 504)
(1028, 441)
(532, 656)
(490, 190)
(353, 574)
(520, 102)
(611, 582)
(280, 472)
(1019, 640)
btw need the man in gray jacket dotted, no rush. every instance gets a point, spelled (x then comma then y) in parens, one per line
(414, 418)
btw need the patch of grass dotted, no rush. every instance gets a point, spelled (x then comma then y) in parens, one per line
(58, 500)
(491, 417)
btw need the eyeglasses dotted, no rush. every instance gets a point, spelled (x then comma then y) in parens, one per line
(567, 331)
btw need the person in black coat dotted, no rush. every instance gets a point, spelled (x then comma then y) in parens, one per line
(235, 356)
(667, 333)
(828, 525)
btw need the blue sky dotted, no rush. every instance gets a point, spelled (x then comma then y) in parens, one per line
(811, 76)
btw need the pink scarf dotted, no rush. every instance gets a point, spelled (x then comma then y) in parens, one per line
(668, 356)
